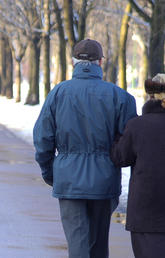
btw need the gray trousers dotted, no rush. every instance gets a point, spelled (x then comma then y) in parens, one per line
(86, 225)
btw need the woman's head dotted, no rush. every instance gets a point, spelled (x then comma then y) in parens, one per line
(155, 87)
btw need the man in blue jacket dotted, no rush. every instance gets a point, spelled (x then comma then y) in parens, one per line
(73, 137)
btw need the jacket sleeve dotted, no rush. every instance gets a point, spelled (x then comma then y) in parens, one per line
(127, 111)
(44, 138)
(122, 152)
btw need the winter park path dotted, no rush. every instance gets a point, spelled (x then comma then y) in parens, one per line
(30, 226)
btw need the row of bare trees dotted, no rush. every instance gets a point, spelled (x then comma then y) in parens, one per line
(31, 29)
(29, 25)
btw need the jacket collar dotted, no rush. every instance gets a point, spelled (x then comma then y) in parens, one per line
(153, 106)
(87, 71)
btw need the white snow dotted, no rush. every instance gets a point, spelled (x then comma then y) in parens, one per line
(18, 117)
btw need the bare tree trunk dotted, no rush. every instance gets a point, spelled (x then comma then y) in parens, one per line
(57, 72)
(70, 29)
(112, 74)
(82, 20)
(68, 20)
(144, 71)
(34, 61)
(18, 80)
(6, 68)
(2, 64)
(107, 55)
(46, 65)
(157, 24)
(62, 45)
(157, 39)
(46, 48)
(144, 62)
(111, 59)
(9, 71)
(18, 53)
(122, 47)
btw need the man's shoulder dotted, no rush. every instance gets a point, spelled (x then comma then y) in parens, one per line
(58, 87)
(113, 86)
(106, 88)
(63, 83)
(119, 91)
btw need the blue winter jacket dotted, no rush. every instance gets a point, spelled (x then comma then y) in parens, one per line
(74, 133)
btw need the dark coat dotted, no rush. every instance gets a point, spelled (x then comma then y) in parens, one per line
(79, 119)
(142, 147)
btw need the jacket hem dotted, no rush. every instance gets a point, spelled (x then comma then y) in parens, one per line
(85, 196)
(145, 230)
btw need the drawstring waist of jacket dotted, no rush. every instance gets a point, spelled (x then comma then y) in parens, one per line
(80, 150)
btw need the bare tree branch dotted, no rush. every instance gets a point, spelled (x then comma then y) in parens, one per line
(109, 12)
(152, 3)
(140, 11)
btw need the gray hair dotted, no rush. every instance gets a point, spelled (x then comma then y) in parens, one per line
(76, 61)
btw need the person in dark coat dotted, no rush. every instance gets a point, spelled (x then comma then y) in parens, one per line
(78, 122)
(142, 146)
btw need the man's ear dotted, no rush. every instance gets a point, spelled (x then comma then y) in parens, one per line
(100, 62)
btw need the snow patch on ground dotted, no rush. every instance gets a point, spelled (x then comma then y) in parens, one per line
(18, 118)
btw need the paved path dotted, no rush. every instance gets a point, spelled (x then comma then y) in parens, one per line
(30, 226)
